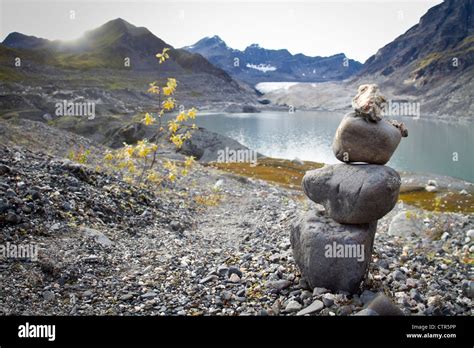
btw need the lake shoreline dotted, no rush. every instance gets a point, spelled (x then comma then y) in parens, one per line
(432, 146)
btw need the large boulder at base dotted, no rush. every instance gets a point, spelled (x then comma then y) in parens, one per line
(331, 255)
(360, 140)
(353, 194)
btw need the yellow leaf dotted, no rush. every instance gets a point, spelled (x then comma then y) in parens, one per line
(173, 126)
(148, 119)
(192, 113)
(189, 161)
(168, 104)
(163, 55)
(181, 117)
(154, 89)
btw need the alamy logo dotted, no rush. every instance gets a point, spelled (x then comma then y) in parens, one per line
(16, 251)
(336, 250)
(237, 156)
(37, 331)
(401, 108)
(66, 108)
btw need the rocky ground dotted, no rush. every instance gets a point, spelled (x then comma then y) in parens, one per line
(214, 244)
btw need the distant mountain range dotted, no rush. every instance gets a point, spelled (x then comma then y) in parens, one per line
(432, 64)
(256, 64)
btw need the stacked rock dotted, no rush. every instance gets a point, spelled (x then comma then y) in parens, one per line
(332, 243)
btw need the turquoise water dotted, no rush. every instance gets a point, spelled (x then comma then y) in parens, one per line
(431, 147)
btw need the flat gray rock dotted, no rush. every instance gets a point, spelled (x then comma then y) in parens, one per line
(314, 307)
(332, 255)
(353, 194)
(406, 224)
(98, 236)
(383, 305)
(360, 140)
(367, 312)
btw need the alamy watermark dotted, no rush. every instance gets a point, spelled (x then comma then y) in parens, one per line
(401, 108)
(336, 250)
(19, 251)
(237, 156)
(28, 330)
(85, 109)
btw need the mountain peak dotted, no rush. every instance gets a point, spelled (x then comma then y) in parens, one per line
(116, 27)
(208, 42)
(216, 38)
(22, 41)
(254, 45)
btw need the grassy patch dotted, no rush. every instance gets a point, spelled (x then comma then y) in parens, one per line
(439, 201)
(462, 49)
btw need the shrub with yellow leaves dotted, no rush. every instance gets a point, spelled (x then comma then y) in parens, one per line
(80, 156)
(137, 161)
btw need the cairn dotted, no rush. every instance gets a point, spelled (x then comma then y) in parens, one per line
(332, 243)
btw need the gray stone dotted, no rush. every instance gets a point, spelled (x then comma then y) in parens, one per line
(366, 296)
(353, 194)
(279, 284)
(209, 278)
(13, 218)
(414, 294)
(398, 275)
(405, 224)
(98, 236)
(319, 291)
(48, 295)
(468, 288)
(234, 270)
(234, 278)
(222, 271)
(317, 242)
(328, 299)
(293, 306)
(305, 295)
(226, 295)
(359, 140)
(276, 307)
(382, 305)
(126, 297)
(314, 307)
(367, 312)
(149, 295)
(4, 169)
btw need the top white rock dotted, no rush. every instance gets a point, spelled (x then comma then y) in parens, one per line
(368, 102)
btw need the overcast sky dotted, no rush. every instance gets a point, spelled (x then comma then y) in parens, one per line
(356, 28)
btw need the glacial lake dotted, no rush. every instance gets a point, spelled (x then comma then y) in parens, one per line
(431, 146)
